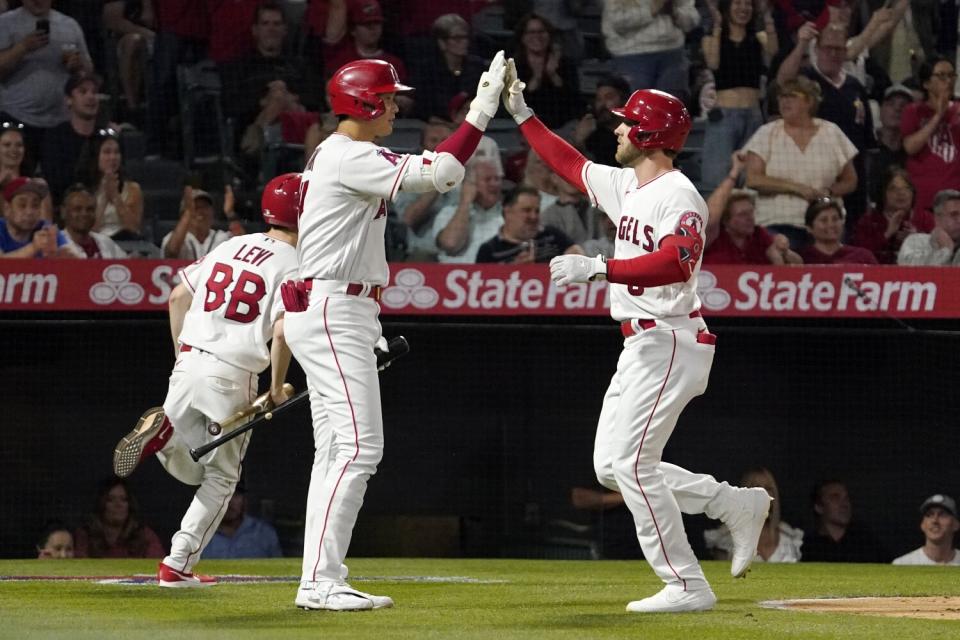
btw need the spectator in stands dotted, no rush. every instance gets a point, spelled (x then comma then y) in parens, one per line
(939, 525)
(318, 132)
(115, 528)
(646, 39)
(461, 229)
(939, 247)
(119, 200)
(875, 33)
(797, 159)
(194, 235)
(931, 138)
(357, 33)
(738, 56)
(265, 83)
(883, 230)
(79, 213)
(594, 135)
(890, 152)
(11, 161)
(522, 239)
(487, 149)
(913, 39)
(572, 214)
(65, 144)
(824, 221)
(553, 85)
(615, 532)
(741, 241)
(779, 542)
(23, 231)
(230, 34)
(418, 211)
(39, 49)
(844, 100)
(836, 538)
(131, 24)
(450, 70)
(536, 174)
(241, 535)
(56, 541)
(183, 30)
(604, 245)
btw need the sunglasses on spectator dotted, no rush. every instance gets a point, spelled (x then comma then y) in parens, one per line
(11, 125)
(108, 132)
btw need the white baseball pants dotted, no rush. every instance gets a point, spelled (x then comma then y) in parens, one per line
(659, 371)
(203, 389)
(333, 341)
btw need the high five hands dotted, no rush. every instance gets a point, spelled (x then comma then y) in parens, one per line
(498, 82)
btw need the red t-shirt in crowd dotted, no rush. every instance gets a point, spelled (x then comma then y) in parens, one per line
(937, 165)
(232, 37)
(183, 18)
(870, 234)
(416, 17)
(846, 255)
(754, 250)
(339, 54)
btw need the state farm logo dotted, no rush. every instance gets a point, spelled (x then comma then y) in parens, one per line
(116, 285)
(409, 288)
(713, 297)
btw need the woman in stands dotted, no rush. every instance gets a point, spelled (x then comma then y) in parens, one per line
(738, 56)
(824, 220)
(115, 529)
(797, 159)
(11, 162)
(119, 200)
(553, 86)
(882, 230)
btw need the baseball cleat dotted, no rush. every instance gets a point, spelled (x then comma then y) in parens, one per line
(149, 436)
(745, 527)
(338, 596)
(673, 599)
(169, 577)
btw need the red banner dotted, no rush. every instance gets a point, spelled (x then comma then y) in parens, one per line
(847, 291)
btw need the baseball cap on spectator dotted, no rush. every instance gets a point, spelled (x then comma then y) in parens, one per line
(365, 12)
(200, 193)
(78, 79)
(24, 184)
(940, 500)
(456, 103)
(898, 89)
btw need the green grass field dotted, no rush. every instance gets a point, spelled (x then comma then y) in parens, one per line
(508, 599)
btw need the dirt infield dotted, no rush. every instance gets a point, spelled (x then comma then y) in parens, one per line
(930, 607)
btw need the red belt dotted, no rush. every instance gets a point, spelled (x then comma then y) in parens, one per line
(354, 289)
(626, 327)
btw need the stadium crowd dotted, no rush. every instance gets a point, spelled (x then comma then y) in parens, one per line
(826, 130)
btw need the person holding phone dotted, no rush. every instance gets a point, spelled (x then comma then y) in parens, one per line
(39, 49)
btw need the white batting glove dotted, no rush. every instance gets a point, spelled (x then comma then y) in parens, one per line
(485, 105)
(513, 95)
(572, 268)
(382, 344)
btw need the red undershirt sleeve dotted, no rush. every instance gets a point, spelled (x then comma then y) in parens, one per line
(673, 263)
(462, 142)
(560, 156)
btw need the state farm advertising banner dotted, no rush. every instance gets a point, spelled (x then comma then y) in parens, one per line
(847, 291)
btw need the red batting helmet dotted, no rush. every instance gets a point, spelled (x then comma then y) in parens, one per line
(657, 120)
(355, 86)
(281, 201)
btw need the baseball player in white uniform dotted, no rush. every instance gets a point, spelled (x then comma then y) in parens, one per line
(334, 324)
(223, 314)
(668, 351)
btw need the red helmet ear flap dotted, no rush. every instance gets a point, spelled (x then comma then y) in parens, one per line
(355, 88)
(280, 203)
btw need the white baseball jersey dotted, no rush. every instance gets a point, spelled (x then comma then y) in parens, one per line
(645, 214)
(235, 288)
(345, 187)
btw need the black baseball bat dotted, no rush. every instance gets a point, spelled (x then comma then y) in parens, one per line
(396, 347)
